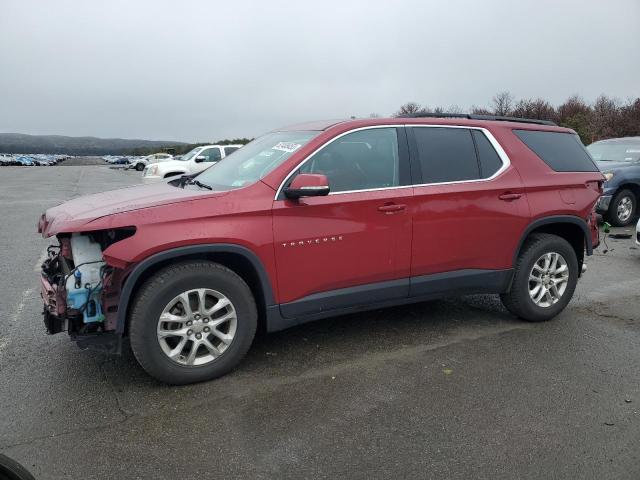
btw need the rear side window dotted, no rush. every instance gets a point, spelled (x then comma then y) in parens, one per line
(446, 154)
(563, 152)
(490, 162)
(229, 150)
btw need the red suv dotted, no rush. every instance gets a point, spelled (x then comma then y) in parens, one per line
(317, 220)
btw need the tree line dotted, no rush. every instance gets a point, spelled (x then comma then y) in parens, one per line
(607, 117)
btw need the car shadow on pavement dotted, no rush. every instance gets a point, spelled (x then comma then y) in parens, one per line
(348, 338)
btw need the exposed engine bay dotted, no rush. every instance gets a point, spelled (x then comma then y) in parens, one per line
(80, 291)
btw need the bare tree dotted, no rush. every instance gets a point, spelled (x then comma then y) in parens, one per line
(479, 110)
(409, 108)
(631, 118)
(530, 108)
(606, 118)
(605, 121)
(574, 105)
(502, 103)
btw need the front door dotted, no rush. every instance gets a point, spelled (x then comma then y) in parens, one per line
(352, 246)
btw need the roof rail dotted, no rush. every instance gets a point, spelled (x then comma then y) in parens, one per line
(470, 116)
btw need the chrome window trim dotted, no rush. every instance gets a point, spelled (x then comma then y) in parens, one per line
(504, 158)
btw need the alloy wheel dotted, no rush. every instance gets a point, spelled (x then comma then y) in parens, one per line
(548, 279)
(197, 326)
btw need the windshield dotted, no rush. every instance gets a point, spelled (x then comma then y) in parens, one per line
(255, 160)
(190, 154)
(615, 152)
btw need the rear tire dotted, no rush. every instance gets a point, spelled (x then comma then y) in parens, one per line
(151, 305)
(139, 167)
(555, 291)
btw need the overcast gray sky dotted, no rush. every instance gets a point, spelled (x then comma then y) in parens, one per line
(206, 70)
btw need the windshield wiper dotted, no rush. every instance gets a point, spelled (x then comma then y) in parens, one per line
(198, 183)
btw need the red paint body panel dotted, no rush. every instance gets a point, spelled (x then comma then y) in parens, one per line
(338, 241)
(548, 192)
(440, 227)
(241, 217)
(466, 225)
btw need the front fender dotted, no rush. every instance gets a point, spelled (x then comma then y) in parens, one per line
(136, 273)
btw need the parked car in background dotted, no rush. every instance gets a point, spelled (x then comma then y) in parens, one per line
(195, 161)
(116, 160)
(37, 159)
(619, 160)
(318, 220)
(140, 163)
(26, 161)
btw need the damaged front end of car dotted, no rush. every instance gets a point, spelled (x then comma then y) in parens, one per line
(80, 290)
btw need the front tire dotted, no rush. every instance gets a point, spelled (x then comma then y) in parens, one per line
(139, 167)
(191, 322)
(545, 278)
(622, 208)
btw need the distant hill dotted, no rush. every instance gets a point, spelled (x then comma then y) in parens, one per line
(21, 143)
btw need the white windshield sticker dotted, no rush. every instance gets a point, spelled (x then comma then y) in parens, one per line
(631, 150)
(286, 147)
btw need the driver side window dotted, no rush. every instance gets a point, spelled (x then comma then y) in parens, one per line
(211, 155)
(361, 160)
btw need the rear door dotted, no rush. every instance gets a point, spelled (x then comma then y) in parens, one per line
(352, 246)
(470, 205)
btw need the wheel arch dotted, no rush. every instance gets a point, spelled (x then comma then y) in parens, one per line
(237, 258)
(573, 229)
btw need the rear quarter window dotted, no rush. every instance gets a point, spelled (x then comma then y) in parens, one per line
(229, 150)
(563, 152)
(490, 162)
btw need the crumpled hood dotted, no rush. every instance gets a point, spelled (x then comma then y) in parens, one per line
(82, 210)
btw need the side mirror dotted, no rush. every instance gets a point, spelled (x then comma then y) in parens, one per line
(307, 185)
(200, 159)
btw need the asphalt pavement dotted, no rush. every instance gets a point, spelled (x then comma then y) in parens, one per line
(453, 389)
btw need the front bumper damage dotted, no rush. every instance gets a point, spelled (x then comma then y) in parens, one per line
(75, 302)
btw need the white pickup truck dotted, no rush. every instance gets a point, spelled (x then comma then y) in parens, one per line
(195, 161)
